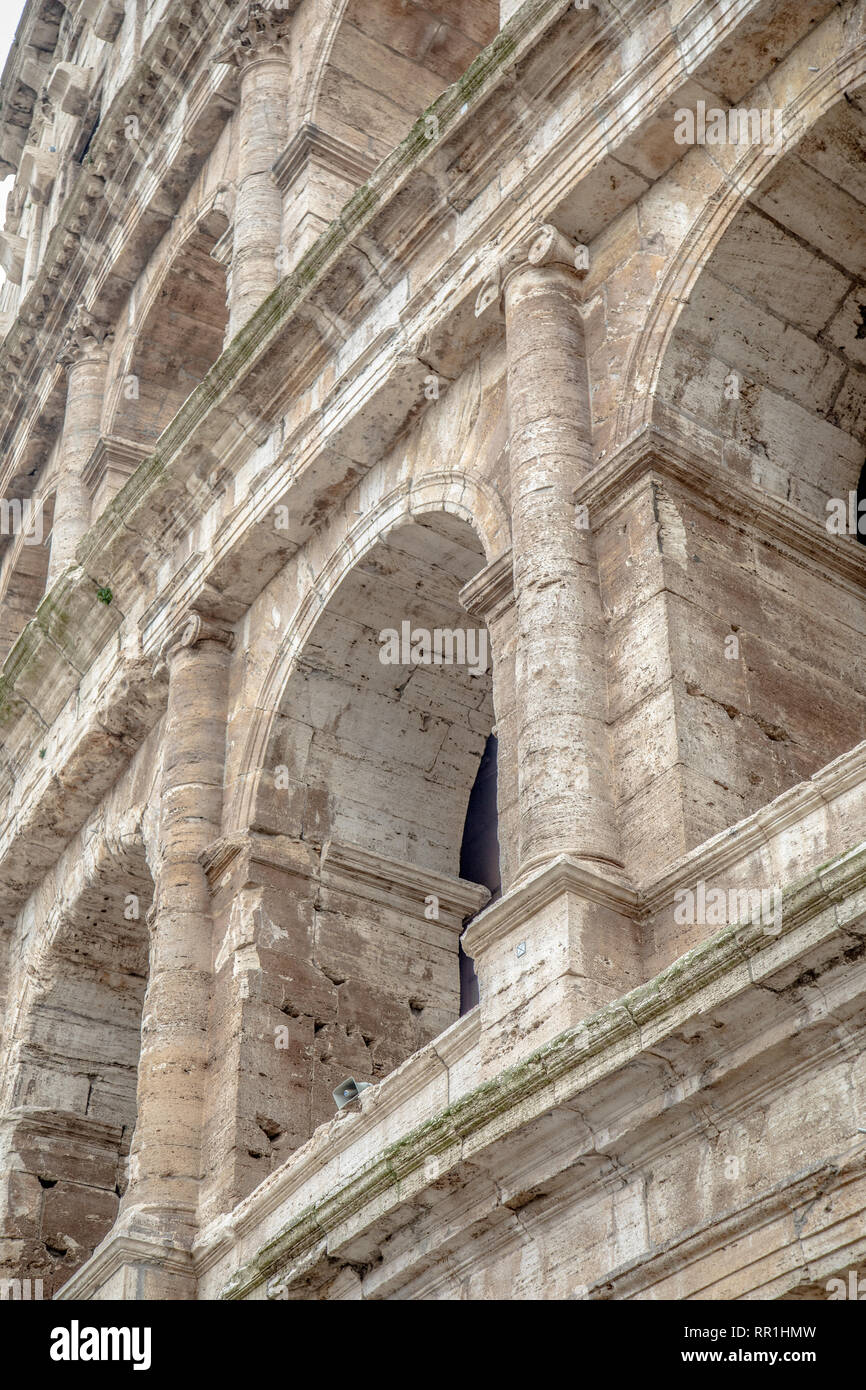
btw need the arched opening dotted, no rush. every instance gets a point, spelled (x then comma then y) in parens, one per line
(175, 346)
(73, 1067)
(768, 352)
(765, 368)
(362, 801)
(382, 737)
(362, 81)
(390, 59)
(24, 567)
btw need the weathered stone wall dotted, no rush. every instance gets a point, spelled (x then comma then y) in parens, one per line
(716, 637)
(300, 344)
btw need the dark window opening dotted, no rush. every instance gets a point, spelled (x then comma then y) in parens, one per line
(479, 855)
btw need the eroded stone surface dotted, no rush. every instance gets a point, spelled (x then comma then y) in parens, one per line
(348, 417)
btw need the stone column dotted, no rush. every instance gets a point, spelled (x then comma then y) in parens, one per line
(85, 357)
(565, 792)
(166, 1159)
(562, 941)
(260, 47)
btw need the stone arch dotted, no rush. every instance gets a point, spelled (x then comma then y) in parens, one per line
(178, 333)
(377, 763)
(766, 356)
(725, 194)
(472, 500)
(24, 570)
(755, 374)
(338, 894)
(78, 962)
(349, 89)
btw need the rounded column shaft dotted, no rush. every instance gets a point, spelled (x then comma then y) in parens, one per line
(565, 793)
(86, 360)
(261, 49)
(166, 1157)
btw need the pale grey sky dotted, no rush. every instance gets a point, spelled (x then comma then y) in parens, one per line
(10, 13)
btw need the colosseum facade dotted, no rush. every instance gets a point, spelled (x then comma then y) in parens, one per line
(432, 614)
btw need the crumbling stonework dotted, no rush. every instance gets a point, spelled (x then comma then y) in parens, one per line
(379, 378)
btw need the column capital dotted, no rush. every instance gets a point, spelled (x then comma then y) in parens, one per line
(189, 631)
(258, 31)
(547, 246)
(87, 335)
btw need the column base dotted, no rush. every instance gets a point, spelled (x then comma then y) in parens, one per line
(135, 1265)
(612, 869)
(561, 944)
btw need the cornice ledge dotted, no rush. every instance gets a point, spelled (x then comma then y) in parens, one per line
(310, 141)
(561, 875)
(23, 54)
(654, 450)
(52, 633)
(328, 1142)
(490, 593)
(756, 831)
(64, 1125)
(338, 1134)
(458, 1040)
(254, 847)
(383, 878)
(112, 451)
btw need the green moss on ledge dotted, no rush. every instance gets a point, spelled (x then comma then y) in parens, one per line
(529, 1085)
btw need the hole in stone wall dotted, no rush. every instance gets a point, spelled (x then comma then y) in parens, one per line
(270, 1128)
(335, 979)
